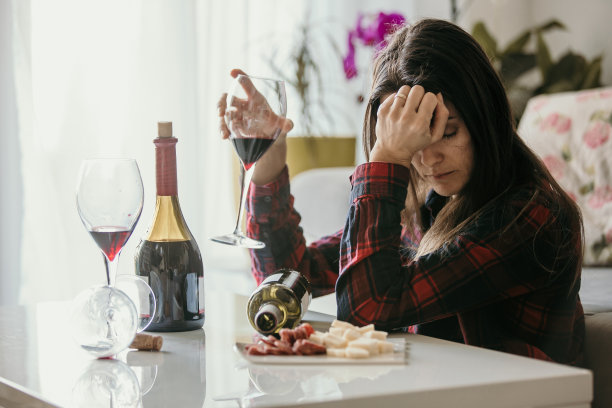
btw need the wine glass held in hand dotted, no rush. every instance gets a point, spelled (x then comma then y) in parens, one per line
(255, 116)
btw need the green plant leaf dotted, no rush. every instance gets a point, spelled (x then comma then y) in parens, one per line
(542, 55)
(517, 45)
(552, 24)
(484, 38)
(592, 74)
(566, 74)
(516, 64)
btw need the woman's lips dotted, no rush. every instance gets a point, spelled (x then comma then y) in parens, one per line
(440, 176)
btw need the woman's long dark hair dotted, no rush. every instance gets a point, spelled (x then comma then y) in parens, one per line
(442, 57)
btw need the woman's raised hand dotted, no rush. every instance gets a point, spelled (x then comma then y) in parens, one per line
(408, 121)
(255, 107)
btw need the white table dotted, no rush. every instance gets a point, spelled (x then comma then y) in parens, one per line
(40, 366)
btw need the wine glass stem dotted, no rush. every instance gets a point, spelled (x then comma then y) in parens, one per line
(111, 269)
(244, 189)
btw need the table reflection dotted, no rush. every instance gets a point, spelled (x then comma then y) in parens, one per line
(107, 383)
(175, 376)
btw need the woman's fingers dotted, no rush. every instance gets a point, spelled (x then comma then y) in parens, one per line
(240, 104)
(222, 105)
(385, 106)
(415, 98)
(248, 86)
(427, 105)
(221, 108)
(286, 126)
(440, 118)
(245, 82)
(401, 97)
(235, 72)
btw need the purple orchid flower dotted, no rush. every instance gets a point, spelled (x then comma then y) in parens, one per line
(372, 35)
(350, 68)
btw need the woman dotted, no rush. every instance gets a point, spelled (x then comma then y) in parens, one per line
(456, 229)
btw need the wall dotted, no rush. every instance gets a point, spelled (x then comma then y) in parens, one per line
(10, 172)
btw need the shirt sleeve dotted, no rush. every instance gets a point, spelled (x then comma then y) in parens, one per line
(271, 218)
(484, 263)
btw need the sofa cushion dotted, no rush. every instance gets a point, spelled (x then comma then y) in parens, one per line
(596, 290)
(572, 133)
(322, 197)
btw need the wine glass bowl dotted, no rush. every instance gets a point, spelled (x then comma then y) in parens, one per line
(255, 116)
(103, 320)
(142, 295)
(109, 200)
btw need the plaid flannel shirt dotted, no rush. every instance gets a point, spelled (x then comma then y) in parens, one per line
(490, 287)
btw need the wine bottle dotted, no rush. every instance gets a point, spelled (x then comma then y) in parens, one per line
(280, 301)
(169, 258)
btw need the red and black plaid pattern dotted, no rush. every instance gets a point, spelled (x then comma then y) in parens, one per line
(508, 289)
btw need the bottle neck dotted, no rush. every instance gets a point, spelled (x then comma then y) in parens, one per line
(268, 318)
(165, 166)
(168, 222)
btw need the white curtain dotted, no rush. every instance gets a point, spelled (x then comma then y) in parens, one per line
(94, 77)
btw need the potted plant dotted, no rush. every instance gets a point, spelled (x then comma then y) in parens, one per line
(311, 145)
(571, 72)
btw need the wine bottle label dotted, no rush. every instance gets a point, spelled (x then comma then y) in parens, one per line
(165, 166)
(191, 297)
(201, 294)
(145, 306)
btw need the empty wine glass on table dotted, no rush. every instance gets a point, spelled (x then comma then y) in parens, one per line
(255, 114)
(109, 197)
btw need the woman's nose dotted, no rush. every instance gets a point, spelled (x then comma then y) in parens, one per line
(430, 156)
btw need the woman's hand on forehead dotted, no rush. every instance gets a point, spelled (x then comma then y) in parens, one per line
(408, 121)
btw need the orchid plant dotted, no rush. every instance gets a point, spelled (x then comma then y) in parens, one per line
(370, 31)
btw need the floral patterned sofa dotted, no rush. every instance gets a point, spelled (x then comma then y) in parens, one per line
(572, 132)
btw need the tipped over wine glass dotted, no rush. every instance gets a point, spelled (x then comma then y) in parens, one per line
(255, 115)
(109, 198)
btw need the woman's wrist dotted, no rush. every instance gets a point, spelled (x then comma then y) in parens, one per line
(271, 164)
(377, 155)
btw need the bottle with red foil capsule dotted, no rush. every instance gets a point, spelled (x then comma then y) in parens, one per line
(169, 258)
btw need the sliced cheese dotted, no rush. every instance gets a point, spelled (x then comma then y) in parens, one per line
(333, 341)
(316, 338)
(336, 352)
(368, 344)
(376, 334)
(365, 329)
(337, 331)
(342, 324)
(357, 352)
(351, 334)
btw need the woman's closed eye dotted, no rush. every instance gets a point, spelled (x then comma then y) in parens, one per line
(450, 134)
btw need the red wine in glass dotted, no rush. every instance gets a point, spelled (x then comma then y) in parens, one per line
(110, 239)
(251, 149)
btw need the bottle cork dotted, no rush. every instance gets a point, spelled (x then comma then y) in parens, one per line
(147, 342)
(164, 129)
